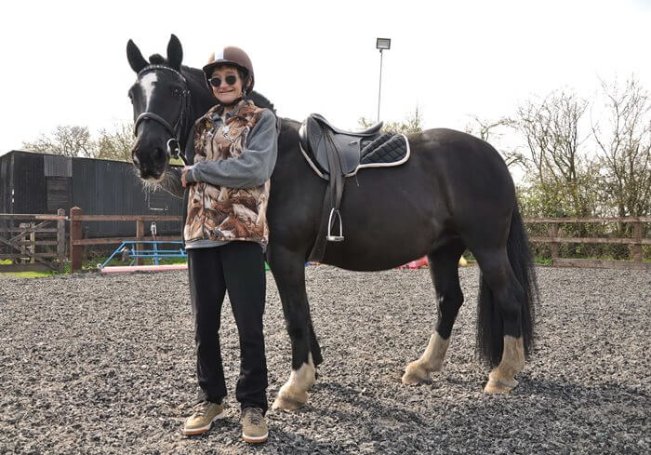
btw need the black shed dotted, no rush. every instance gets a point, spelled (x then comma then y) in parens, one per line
(37, 183)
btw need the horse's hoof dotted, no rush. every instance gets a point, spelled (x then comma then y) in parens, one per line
(501, 386)
(287, 404)
(415, 375)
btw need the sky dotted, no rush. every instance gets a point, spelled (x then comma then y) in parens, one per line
(64, 61)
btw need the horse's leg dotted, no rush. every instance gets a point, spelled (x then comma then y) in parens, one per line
(500, 316)
(443, 263)
(288, 269)
(315, 347)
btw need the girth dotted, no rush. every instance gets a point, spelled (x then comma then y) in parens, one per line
(335, 154)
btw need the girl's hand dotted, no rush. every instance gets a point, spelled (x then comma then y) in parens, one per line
(184, 173)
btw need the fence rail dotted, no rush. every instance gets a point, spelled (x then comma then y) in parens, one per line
(30, 244)
(27, 240)
(635, 243)
(41, 239)
(77, 243)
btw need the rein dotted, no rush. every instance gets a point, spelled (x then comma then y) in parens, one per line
(173, 145)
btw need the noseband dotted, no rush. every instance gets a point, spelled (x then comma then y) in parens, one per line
(173, 145)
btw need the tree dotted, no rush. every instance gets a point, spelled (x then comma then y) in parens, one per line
(487, 129)
(116, 145)
(76, 141)
(624, 145)
(65, 140)
(412, 124)
(560, 174)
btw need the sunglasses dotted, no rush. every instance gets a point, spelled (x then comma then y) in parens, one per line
(216, 81)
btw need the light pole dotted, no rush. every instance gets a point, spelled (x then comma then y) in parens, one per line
(381, 44)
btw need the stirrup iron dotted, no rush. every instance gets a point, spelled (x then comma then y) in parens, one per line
(335, 238)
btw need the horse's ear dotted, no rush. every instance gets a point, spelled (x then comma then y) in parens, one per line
(174, 53)
(136, 60)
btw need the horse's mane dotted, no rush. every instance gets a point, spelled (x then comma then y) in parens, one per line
(262, 101)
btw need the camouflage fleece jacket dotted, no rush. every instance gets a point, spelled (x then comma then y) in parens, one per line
(234, 156)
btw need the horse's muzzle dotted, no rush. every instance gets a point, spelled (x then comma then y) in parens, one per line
(151, 166)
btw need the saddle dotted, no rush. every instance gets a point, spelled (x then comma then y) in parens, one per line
(354, 150)
(335, 154)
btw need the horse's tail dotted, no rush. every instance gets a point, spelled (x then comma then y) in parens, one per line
(490, 326)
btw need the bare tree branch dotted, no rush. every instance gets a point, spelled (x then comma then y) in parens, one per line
(117, 144)
(624, 145)
(412, 124)
(68, 141)
(488, 130)
(76, 141)
(563, 174)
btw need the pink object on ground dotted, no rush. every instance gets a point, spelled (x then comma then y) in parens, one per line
(417, 264)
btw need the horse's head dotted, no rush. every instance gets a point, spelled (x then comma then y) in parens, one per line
(160, 98)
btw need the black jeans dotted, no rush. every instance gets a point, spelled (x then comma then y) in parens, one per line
(236, 267)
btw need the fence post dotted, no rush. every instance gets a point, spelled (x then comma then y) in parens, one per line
(32, 243)
(61, 238)
(636, 248)
(23, 241)
(76, 251)
(553, 233)
(140, 235)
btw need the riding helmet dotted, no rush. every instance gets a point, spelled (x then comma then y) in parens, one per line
(234, 56)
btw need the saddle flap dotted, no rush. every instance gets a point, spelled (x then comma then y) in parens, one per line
(319, 140)
(308, 135)
(349, 152)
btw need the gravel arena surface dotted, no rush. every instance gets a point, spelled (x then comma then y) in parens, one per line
(95, 364)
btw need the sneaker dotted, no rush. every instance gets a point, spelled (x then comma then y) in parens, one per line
(254, 426)
(205, 413)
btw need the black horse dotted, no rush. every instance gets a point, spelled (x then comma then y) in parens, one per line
(454, 193)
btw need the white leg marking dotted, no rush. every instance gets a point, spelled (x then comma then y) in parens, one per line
(293, 394)
(418, 371)
(502, 378)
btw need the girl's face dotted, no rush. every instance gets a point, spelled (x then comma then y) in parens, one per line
(226, 84)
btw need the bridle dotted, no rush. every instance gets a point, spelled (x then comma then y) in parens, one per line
(175, 129)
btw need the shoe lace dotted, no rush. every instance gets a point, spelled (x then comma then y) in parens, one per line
(201, 408)
(254, 415)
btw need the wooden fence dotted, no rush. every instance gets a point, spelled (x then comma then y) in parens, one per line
(635, 243)
(37, 241)
(33, 242)
(77, 242)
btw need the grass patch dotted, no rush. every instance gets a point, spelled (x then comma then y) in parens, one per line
(27, 274)
(93, 264)
(32, 274)
(541, 260)
(6, 273)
